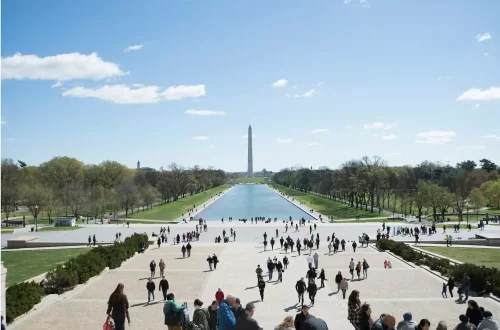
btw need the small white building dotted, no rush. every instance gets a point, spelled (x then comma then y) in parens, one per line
(65, 222)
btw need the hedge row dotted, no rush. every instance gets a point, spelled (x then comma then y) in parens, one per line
(22, 297)
(478, 274)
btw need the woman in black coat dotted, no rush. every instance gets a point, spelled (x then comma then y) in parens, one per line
(474, 313)
(364, 317)
(451, 285)
(118, 307)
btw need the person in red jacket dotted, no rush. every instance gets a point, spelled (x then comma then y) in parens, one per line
(219, 296)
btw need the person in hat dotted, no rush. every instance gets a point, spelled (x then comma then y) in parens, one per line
(407, 323)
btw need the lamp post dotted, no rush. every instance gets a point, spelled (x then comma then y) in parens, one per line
(36, 217)
(467, 216)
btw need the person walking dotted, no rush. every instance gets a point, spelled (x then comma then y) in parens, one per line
(150, 286)
(358, 269)
(285, 262)
(300, 287)
(474, 313)
(351, 268)
(353, 308)
(212, 311)
(322, 278)
(354, 245)
(258, 271)
(364, 317)
(90, 240)
(464, 323)
(118, 307)
(152, 267)
(298, 247)
(162, 267)
(170, 308)
(272, 244)
(344, 286)
(261, 285)
(246, 322)
(488, 322)
(183, 250)
(301, 317)
(238, 310)
(338, 280)
(219, 295)
(312, 289)
(365, 268)
(210, 261)
(215, 260)
(200, 315)
(94, 240)
(310, 260)
(188, 249)
(316, 259)
(466, 286)
(270, 268)
(265, 245)
(163, 287)
(158, 241)
(451, 285)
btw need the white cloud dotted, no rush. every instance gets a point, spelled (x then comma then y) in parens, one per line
(10, 139)
(4, 122)
(133, 47)
(312, 144)
(476, 106)
(284, 140)
(347, 2)
(120, 94)
(280, 83)
(476, 94)
(60, 67)
(389, 137)
(491, 136)
(321, 83)
(57, 84)
(470, 148)
(138, 85)
(483, 37)
(246, 136)
(320, 130)
(393, 154)
(204, 113)
(435, 137)
(309, 93)
(377, 125)
(201, 138)
(183, 91)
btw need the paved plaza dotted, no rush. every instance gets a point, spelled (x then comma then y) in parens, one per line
(397, 290)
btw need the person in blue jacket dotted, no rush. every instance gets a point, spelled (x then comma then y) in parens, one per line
(225, 314)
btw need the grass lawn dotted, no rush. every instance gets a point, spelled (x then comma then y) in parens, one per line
(152, 223)
(481, 257)
(58, 228)
(326, 206)
(251, 180)
(23, 265)
(173, 210)
(7, 231)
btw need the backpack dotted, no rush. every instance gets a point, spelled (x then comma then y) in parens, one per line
(192, 326)
(175, 319)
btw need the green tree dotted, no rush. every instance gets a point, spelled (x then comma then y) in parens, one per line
(487, 165)
(476, 199)
(11, 181)
(128, 195)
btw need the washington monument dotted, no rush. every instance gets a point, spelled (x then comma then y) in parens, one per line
(250, 156)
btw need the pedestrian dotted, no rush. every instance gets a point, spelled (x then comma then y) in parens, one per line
(354, 244)
(344, 286)
(258, 271)
(90, 240)
(287, 324)
(351, 268)
(285, 262)
(300, 287)
(316, 259)
(466, 286)
(322, 278)
(212, 311)
(353, 308)
(162, 267)
(443, 291)
(246, 322)
(364, 317)
(310, 261)
(262, 285)
(451, 285)
(312, 289)
(210, 262)
(474, 313)
(171, 308)
(265, 245)
(365, 268)
(94, 239)
(183, 250)
(301, 317)
(152, 267)
(358, 269)
(272, 243)
(298, 247)
(163, 287)
(200, 315)
(238, 310)
(150, 286)
(338, 280)
(407, 323)
(118, 307)
(188, 249)
(215, 261)
(488, 322)
(219, 295)
(330, 247)
(158, 241)
(270, 268)
(464, 323)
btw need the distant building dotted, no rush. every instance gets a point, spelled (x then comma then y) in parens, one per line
(139, 168)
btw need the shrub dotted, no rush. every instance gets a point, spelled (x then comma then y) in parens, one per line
(20, 299)
(61, 279)
(88, 265)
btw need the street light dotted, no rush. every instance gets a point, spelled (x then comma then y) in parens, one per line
(36, 217)
(467, 216)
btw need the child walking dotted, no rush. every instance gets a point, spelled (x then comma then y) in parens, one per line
(443, 292)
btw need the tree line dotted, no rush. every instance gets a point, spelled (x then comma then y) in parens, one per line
(65, 185)
(371, 184)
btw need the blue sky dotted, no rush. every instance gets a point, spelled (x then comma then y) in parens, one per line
(405, 80)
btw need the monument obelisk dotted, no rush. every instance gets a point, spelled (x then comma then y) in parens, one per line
(250, 155)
